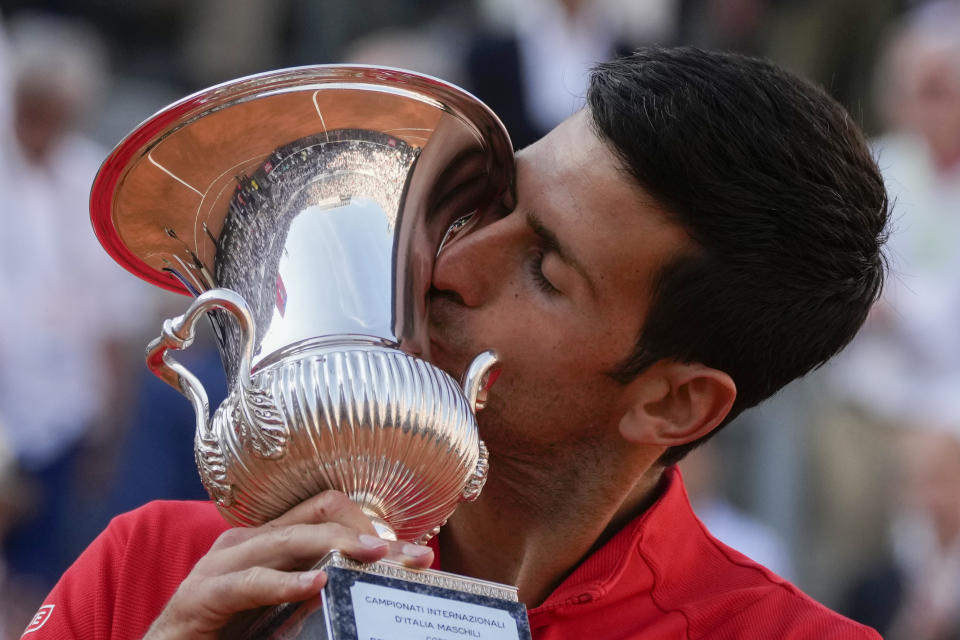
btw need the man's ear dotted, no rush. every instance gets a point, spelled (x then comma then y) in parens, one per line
(675, 403)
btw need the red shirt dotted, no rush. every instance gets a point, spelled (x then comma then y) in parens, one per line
(662, 576)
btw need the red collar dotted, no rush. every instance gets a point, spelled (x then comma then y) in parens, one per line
(665, 575)
(600, 573)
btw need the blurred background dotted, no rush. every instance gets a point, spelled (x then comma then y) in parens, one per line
(847, 483)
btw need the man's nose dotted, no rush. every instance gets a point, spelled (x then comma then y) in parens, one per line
(475, 264)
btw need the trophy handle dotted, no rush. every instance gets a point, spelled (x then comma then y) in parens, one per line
(473, 380)
(178, 334)
(475, 376)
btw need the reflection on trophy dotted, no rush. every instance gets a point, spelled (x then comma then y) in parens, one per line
(303, 210)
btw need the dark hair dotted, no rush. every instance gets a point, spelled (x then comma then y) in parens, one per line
(775, 184)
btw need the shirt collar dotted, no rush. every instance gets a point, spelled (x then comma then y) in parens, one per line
(602, 570)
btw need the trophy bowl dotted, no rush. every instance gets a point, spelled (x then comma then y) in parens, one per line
(303, 210)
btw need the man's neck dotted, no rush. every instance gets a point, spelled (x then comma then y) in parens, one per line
(533, 528)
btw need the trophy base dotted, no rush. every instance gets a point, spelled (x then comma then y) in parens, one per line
(387, 601)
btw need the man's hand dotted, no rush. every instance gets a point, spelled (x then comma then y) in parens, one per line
(268, 565)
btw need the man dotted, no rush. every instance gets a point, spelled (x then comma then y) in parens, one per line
(705, 231)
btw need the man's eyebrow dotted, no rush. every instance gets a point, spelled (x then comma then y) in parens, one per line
(552, 244)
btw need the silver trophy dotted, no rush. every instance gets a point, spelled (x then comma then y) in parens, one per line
(303, 209)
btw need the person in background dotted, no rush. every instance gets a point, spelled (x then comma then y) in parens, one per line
(910, 343)
(534, 73)
(69, 312)
(914, 593)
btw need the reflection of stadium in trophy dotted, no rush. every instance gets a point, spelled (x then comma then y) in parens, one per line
(309, 178)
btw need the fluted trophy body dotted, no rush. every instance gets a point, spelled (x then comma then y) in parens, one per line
(304, 209)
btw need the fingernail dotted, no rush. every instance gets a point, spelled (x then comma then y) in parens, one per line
(415, 550)
(371, 542)
(309, 577)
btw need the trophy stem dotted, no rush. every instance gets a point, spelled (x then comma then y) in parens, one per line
(384, 530)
